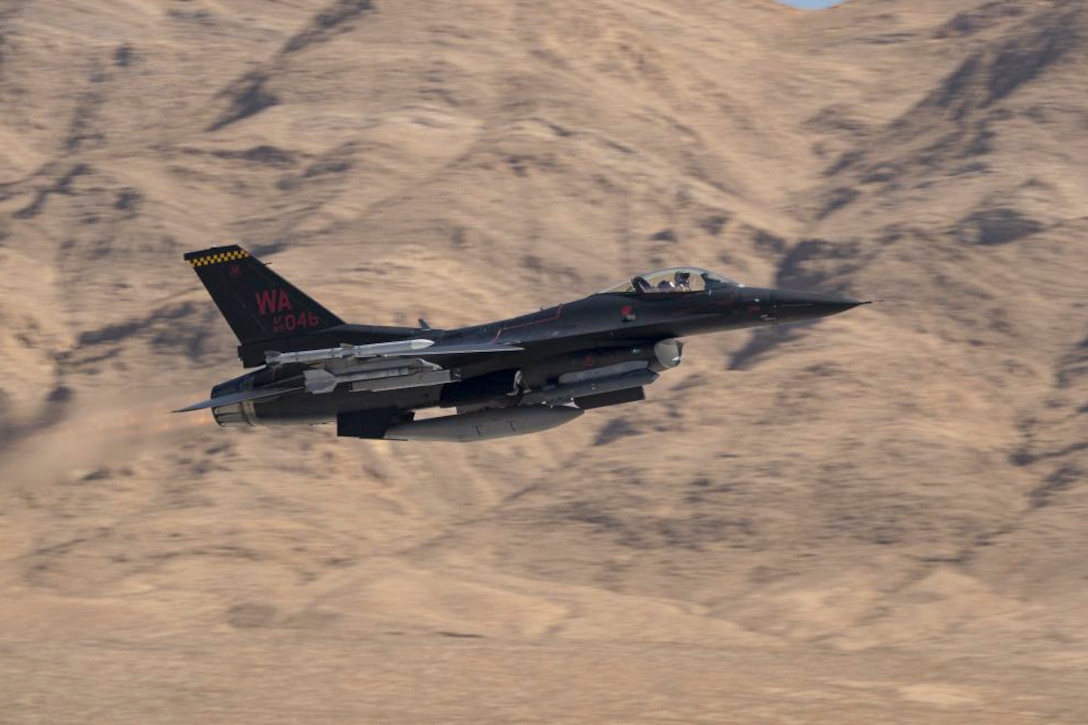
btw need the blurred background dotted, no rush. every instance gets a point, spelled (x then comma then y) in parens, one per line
(877, 518)
(811, 4)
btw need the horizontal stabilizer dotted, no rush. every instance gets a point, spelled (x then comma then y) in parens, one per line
(241, 397)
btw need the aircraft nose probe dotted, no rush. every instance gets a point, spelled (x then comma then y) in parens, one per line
(791, 306)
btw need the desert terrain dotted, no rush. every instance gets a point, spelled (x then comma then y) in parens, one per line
(879, 518)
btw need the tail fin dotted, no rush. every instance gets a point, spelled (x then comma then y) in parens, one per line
(259, 304)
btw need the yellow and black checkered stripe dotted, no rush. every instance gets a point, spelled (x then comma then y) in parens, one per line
(218, 257)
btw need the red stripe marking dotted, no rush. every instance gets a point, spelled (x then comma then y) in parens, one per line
(542, 320)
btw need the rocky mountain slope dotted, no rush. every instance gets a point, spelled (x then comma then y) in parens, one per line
(880, 516)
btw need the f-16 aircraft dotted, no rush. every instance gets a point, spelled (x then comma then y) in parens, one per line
(515, 376)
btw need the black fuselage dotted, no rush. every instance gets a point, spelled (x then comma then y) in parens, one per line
(508, 377)
(597, 330)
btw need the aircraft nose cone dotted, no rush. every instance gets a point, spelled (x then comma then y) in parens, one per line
(790, 306)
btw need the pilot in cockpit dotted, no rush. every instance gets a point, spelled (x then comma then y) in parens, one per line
(676, 280)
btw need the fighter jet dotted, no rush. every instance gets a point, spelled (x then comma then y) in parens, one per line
(511, 377)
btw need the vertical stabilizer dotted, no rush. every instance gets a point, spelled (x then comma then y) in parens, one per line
(257, 303)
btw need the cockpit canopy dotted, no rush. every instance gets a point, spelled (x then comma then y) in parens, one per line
(673, 280)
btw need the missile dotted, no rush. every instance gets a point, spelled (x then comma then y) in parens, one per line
(378, 375)
(397, 348)
(376, 349)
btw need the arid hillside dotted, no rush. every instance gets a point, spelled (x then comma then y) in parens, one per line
(877, 518)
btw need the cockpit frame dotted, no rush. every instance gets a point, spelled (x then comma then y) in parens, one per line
(673, 280)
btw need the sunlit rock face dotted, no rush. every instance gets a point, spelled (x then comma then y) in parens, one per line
(903, 483)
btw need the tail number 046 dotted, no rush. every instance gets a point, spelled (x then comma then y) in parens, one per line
(290, 322)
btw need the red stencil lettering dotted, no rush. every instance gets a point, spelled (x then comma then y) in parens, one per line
(272, 300)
